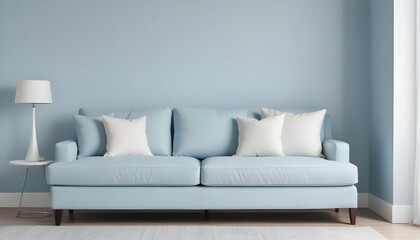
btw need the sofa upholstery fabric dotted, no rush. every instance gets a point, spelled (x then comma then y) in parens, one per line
(276, 171)
(91, 137)
(181, 182)
(125, 171)
(203, 133)
(199, 198)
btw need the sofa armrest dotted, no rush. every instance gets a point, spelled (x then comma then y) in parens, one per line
(336, 150)
(65, 151)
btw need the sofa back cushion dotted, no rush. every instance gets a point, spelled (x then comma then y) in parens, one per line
(91, 137)
(158, 127)
(203, 133)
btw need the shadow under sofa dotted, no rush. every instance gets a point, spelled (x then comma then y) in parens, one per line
(167, 182)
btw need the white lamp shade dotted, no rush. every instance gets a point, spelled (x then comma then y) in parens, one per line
(33, 91)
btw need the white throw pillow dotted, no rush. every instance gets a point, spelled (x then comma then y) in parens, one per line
(260, 138)
(301, 132)
(126, 137)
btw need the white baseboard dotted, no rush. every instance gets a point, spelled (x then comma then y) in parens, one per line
(392, 213)
(380, 207)
(41, 200)
(363, 200)
(402, 214)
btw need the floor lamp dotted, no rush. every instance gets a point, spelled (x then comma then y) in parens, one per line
(33, 92)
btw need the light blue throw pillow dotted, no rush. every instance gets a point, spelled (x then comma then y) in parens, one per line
(203, 133)
(91, 136)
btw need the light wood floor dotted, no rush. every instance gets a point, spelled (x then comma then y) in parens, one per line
(325, 218)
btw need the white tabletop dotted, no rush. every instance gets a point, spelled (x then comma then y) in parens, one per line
(30, 163)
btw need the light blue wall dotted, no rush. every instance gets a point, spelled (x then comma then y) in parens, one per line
(381, 124)
(225, 54)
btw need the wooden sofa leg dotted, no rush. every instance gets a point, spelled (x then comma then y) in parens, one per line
(58, 215)
(206, 214)
(352, 214)
(337, 210)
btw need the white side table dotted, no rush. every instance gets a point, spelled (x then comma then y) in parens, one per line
(28, 164)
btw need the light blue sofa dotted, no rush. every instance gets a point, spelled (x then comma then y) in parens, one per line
(193, 169)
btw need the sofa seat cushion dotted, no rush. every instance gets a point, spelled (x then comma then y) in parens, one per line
(276, 171)
(126, 171)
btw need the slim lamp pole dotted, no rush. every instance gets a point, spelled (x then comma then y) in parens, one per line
(33, 153)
